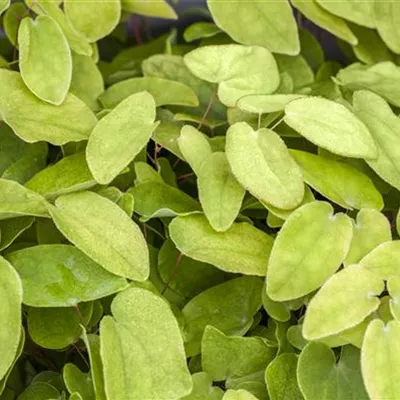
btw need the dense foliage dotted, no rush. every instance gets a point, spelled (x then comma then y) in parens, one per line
(209, 214)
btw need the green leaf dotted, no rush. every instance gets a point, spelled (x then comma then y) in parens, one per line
(280, 376)
(380, 78)
(386, 15)
(261, 163)
(380, 359)
(339, 182)
(359, 12)
(132, 123)
(383, 260)
(203, 389)
(239, 394)
(302, 262)
(72, 121)
(220, 194)
(61, 276)
(77, 381)
(159, 9)
(297, 68)
(164, 92)
(200, 30)
(94, 20)
(383, 125)
(344, 301)
(10, 315)
(322, 378)
(45, 65)
(4, 4)
(279, 311)
(331, 126)
(15, 201)
(330, 22)
(71, 174)
(57, 328)
(268, 24)
(39, 391)
(11, 20)
(369, 231)
(229, 307)
(241, 249)
(10, 229)
(239, 70)
(225, 356)
(266, 103)
(134, 340)
(87, 82)
(157, 199)
(114, 241)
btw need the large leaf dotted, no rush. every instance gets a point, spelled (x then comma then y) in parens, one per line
(384, 126)
(309, 248)
(93, 19)
(386, 16)
(370, 230)
(322, 378)
(220, 194)
(241, 249)
(164, 92)
(72, 121)
(268, 23)
(262, 164)
(61, 276)
(331, 126)
(344, 301)
(10, 315)
(229, 307)
(239, 70)
(380, 359)
(44, 58)
(131, 124)
(142, 333)
(114, 241)
(339, 182)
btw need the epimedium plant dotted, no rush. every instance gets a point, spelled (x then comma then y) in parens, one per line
(206, 216)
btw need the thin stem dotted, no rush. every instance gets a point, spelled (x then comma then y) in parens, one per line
(210, 102)
(174, 272)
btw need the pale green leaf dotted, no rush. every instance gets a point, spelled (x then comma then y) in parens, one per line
(146, 174)
(279, 311)
(344, 301)
(360, 12)
(164, 92)
(4, 4)
(143, 334)
(380, 359)
(94, 20)
(239, 70)
(297, 68)
(229, 307)
(331, 126)
(338, 181)
(330, 22)
(281, 379)
(132, 123)
(266, 103)
(239, 394)
(370, 230)
(12, 19)
(268, 23)
(72, 121)
(61, 276)
(384, 126)
(309, 248)
(158, 9)
(220, 194)
(225, 356)
(77, 381)
(321, 377)
(114, 241)
(261, 163)
(241, 249)
(203, 389)
(387, 14)
(44, 58)
(200, 30)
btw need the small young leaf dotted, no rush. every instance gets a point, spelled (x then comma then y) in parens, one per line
(44, 58)
(329, 311)
(301, 263)
(132, 123)
(143, 331)
(203, 389)
(268, 24)
(241, 249)
(239, 70)
(380, 359)
(159, 9)
(77, 381)
(39, 391)
(114, 241)
(200, 30)
(239, 394)
(261, 163)
(331, 126)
